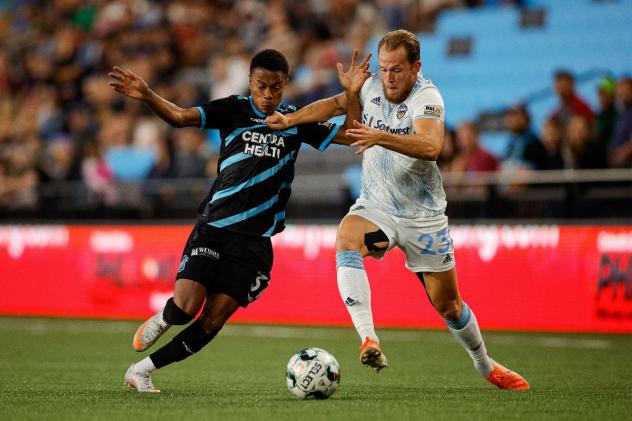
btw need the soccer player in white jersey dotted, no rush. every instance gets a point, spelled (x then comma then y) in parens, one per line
(402, 202)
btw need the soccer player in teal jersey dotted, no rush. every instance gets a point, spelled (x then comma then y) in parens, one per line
(227, 259)
(402, 202)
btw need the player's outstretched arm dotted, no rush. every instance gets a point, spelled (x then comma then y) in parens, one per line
(317, 111)
(425, 143)
(351, 80)
(133, 86)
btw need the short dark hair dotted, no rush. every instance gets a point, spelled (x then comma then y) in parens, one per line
(564, 74)
(402, 38)
(270, 60)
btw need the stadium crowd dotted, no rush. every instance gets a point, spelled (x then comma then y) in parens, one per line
(61, 121)
(574, 136)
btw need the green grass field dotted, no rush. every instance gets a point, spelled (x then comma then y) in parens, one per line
(73, 369)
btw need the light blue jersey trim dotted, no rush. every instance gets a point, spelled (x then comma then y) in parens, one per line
(239, 131)
(350, 259)
(264, 175)
(278, 217)
(331, 136)
(234, 159)
(466, 315)
(255, 109)
(426, 116)
(202, 117)
(250, 212)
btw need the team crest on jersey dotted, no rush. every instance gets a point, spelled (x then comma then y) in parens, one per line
(183, 263)
(401, 110)
(376, 100)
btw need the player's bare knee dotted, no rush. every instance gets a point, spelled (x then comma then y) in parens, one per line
(449, 310)
(347, 242)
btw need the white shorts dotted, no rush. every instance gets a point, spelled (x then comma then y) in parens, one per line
(425, 241)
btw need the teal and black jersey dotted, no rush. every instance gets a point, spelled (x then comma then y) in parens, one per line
(256, 165)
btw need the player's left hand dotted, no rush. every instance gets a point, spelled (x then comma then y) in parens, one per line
(363, 136)
(354, 77)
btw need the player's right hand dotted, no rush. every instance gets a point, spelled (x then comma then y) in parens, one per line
(127, 83)
(277, 121)
(353, 79)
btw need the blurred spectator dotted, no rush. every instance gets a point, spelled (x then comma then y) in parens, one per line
(571, 104)
(229, 76)
(524, 149)
(18, 177)
(98, 177)
(584, 151)
(471, 157)
(552, 141)
(607, 115)
(165, 163)
(190, 155)
(57, 159)
(622, 141)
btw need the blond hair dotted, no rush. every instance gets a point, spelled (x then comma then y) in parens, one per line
(402, 38)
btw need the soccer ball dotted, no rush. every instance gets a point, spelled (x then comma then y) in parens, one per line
(312, 373)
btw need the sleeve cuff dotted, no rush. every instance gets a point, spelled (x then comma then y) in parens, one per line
(202, 117)
(329, 138)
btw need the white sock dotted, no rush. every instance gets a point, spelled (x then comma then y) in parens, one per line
(355, 291)
(160, 318)
(145, 365)
(467, 332)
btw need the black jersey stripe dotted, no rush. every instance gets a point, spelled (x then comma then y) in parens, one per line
(242, 216)
(262, 176)
(234, 159)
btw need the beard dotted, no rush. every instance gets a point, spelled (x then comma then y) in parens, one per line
(395, 97)
(399, 95)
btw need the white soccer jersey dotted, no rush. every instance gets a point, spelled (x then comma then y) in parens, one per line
(399, 184)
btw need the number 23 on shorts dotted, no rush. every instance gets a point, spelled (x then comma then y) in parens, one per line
(443, 242)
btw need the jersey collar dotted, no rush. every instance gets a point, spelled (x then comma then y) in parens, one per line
(255, 109)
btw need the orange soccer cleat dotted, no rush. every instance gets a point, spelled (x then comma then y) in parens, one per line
(504, 378)
(371, 355)
(149, 332)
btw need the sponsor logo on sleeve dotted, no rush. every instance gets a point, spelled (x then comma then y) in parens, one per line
(433, 110)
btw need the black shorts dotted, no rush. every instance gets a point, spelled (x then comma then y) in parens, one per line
(223, 261)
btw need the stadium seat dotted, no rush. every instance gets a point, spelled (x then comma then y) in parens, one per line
(509, 64)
